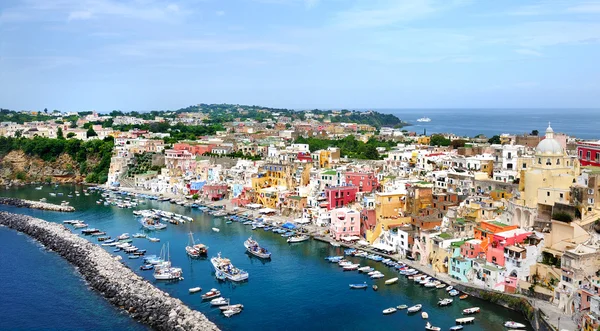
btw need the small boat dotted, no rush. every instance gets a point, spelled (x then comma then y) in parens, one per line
(218, 302)
(335, 244)
(216, 229)
(134, 257)
(430, 327)
(231, 312)
(466, 320)
(511, 324)
(254, 248)
(414, 308)
(297, 239)
(213, 293)
(401, 307)
(351, 267)
(449, 288)
(464, 296)
(391, 281)
(424, 315)
(377, 276)
(358, 286)
(366, 269)
(147, 267)
(139, 235)
(390, 310)
(124, 236)
(440, 286)
(424, 119)
(375, 288)
(154, 240)
(456, 328)
(472, 310)
(39, 188)
(225, 267)
(445, 302)
(227, 307)
(453, 293)
(195, 250)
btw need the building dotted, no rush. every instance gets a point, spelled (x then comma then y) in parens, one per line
(366, 182)
(588, 153)
(345, 223)
(340, 196)
(215, 191)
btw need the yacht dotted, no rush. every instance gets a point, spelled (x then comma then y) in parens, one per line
(195, 250)
(297, 239)
(223, 265)
(164, 270)
(424, 119)
(253, 248)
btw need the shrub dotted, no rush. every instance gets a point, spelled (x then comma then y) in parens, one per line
(562, 216)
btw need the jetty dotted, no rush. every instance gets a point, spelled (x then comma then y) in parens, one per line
(35, 204)
(113, 280)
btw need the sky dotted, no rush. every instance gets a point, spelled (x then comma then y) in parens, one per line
(76, 55)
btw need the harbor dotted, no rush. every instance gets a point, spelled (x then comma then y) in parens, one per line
(296, 282)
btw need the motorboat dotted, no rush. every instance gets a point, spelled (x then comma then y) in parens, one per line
(216, 229)
(224, 266)
(513, 325)
(375, 287)
(358, 286)
(351, 267)
(218, 302)
(466, 320)
(231, 312)
(440, 286)
(453, 293)
(227, 307)
(139, 235)
(456, 328)
(424, 119)
(390, 310)
(430, 327)
(472, 310)
(124, 236)
(401, 307)
(449, 288)
(297, 238)
(147, 267)
(133, 257)
(152, 224)
(80, 225)
(366, 269)
(213, 293)
(414, 308)
(377, 276)
(391, 281)
(90, 231)
(464, 296)
(153, 239)
(424, 315)
(445, 302)
(254, 248)
(335, 244)
(195, 250)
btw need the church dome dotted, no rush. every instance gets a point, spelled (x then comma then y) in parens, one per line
(549, 145)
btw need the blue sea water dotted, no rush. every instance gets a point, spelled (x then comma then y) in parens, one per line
(296, 290)
(581, 123)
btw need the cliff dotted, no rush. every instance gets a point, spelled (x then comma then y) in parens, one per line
(20, 167)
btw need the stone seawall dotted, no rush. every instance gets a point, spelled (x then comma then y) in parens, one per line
(34, 204)
(116, 282)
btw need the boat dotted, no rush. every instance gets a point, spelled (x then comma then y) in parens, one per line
(154, 240)
(224, 266)
(254, 248)
(511, 324)
(366, 269)
(134, 257)
(52, 194)
(43, 200)
(124, 236)
(424, 119)
(227, 307)
(297, 238)
(449, 288)
(147, 267)
(456, 328)
(139, 235)
(39, 188)
(220, 276)
(351, 267)
(216, 229)
(218, 302)
(445, 302)
(472, 310)
(377, 276)
(164, 270)
(414, 308)
(90, 231)
(195, 250)
(231, 312)
(453, 293)
(213, 293)
(430, 327)
(391, 281)
(466, 320)
(80, 225)
(464, 296)
(152, 224)
(424, 315)
(335, 244)
(375, 288)
(390, 310)
(358, 286)
(440, 286)
(401, 307)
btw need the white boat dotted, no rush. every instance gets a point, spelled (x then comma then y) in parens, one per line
(218, 302)
(351, 267)
(80, 225)
(164, 270)
(335, 244)
(465, 320)
(224, 266)
(414, 308)
(401, 307)
(377, 276)
(391, 281)
(358, 286)
(390, 310)
(52, 194)
(449, 288)
(445, 302)
(365, 269)
(254, 248)
(440, 286)
(297, 239)
(230, 306)
(213, 293)
(195, 250)
(430, 327)
(195, 289)
(216, 229)
(472, 310)
(424, 119)
(39, 188)
(124, 236)
(231, 312)
(511, 324)
(424, 315)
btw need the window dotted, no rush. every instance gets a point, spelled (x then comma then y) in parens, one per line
(548, 193)
(580, 154)
(588, 155)
(561, 195)
(597, 156)
(539, 160)
(548, 162)
(557, 161)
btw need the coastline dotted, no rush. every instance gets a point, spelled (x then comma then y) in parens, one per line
(118, 284)
(21, 203)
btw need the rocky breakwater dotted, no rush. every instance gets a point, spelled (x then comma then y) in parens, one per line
(116, 282)
(34, 204)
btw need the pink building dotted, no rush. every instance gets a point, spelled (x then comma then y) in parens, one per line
(196, 149)
(472, 249)
(340, 196)
(367, 221)
(495, 252)
(345, 222)
(365, 181)
(215, 191)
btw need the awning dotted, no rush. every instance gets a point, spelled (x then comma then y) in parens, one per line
(350, 238)
(384, 247)
(267, 210)
(288, 226)
(302, 220)
(253, 205)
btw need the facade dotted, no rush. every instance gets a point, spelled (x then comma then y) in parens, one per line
(366, 182)
(340, 196)
(588, 153)
(345, 222)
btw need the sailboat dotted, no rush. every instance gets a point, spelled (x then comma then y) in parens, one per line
(164, 270)
(195, 250)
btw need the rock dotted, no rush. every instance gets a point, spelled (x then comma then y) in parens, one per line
(35, 204)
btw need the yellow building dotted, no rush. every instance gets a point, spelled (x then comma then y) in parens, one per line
(328, 156)
(547, 180)
(424, 140)
(271, 183)
(388, 208)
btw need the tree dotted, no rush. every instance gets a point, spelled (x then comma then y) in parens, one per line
(46, 110)
(73, 124)
(70, 135)
(59, 133)
(91, 132)
(439, 140)
(288, 125)
(535, 132)
(458, 143)
(494, 140)
(371, 152)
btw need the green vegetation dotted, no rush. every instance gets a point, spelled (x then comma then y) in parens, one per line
(562, 216)
(439, 140)
(21, 175)
(349, 146)
(142, 163)
(177, 132)
(494, 140)
(50, 149)
(18, 117)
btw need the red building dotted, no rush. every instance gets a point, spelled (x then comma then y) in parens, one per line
(588, 153)
(304, 157)
(215, 192)
(495, 252)
(196, 149)
(367, 221)
(340, 196)
(365, 181)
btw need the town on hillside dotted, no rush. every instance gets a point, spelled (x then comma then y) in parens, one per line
(513, 213)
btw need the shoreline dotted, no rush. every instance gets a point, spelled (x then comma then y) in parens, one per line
(117, 283)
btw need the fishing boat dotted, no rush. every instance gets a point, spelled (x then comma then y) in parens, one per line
(213, 293)
(464, 296)
(401, 307)
(390, 310)
(254, 248)
(351, 267)
(297, 239)
(472, 310)
(466, 320)
(414, 308)
(195, 250)
(430, 327)
(391, 281)
(218, 302)
(512, 325)
(424, 315)
(358, 286)
(445, 302)
(224, 265)
(220, 276)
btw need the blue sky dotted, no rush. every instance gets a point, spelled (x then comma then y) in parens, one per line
(154, 54)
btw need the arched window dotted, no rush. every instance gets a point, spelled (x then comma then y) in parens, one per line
(548, 162)
(539, 160)
(557, 161)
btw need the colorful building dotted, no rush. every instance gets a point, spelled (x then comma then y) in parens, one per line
(340, 196)
(366, 182)
(215, 191)
(501, 240)
(345, 222)
(588, 153)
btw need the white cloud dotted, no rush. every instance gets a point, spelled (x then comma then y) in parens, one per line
(530, 52)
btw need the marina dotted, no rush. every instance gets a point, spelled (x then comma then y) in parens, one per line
(270, 278)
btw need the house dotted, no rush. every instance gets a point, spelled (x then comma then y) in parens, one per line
(345, 222)
(366, 182)
(340, 196)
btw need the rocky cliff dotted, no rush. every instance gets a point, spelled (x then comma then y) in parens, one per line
(19, 167)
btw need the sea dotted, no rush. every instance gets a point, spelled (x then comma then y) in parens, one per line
(580, 123)
(296, 290)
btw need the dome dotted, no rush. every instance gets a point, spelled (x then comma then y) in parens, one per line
(549, 145)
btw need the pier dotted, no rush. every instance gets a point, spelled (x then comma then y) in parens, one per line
(35, 205)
